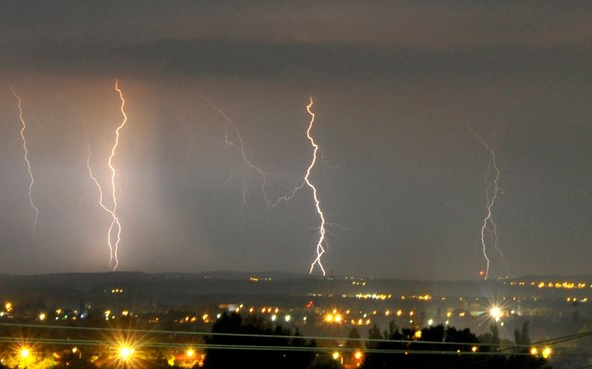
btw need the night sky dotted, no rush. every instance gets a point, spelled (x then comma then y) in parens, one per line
(408, 97)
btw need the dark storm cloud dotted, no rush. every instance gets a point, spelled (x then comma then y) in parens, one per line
(269, 40)
(428, 24)
(285, 61)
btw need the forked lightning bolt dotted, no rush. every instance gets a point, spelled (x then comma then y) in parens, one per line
(320, 249)
(491, 194)
(114, 219)
(240, 147)
(114, 246)
(26, 155)
(95, 180)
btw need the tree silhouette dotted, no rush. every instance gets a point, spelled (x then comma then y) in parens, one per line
(255, 342)
(491, 339)
(522, 337)
(445, 348)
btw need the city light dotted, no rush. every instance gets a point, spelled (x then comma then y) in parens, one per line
(25, 357)
(337, 356)
(124, 348)
(125, 353)
(534, 351)
(25, 352)
(495, 313)
(333, 317)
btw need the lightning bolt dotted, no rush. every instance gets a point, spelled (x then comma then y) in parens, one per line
(229, 127)
(491, 193)
(320, 249)
(115, 224)
(114, 220)
(240, 147)
(26, 155)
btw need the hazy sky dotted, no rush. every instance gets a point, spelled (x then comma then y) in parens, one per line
(408, 97)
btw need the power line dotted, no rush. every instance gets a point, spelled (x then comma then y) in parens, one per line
(246, 335)
(512, 350)
(68, 342)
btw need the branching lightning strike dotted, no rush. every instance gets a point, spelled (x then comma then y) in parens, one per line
(491, 193)
(241, 149)
(320, 249)
(114, 246)
(321, 243)
(114, 220)
(26, 155)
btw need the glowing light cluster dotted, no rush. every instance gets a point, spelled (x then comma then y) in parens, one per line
(565, 285)
(259, 279)
(545, 352)
(576, 299)
(270, 310)
(360, 322)
(333, 317)
(373, 296)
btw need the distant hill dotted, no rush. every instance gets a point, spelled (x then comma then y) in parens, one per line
(149, 290)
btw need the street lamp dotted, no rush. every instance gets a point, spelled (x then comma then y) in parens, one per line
(125, 353)
(337, 356)
(496, 313)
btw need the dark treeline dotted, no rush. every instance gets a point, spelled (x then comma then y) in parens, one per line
(277, 347)
(432, 347)
(447, 347)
